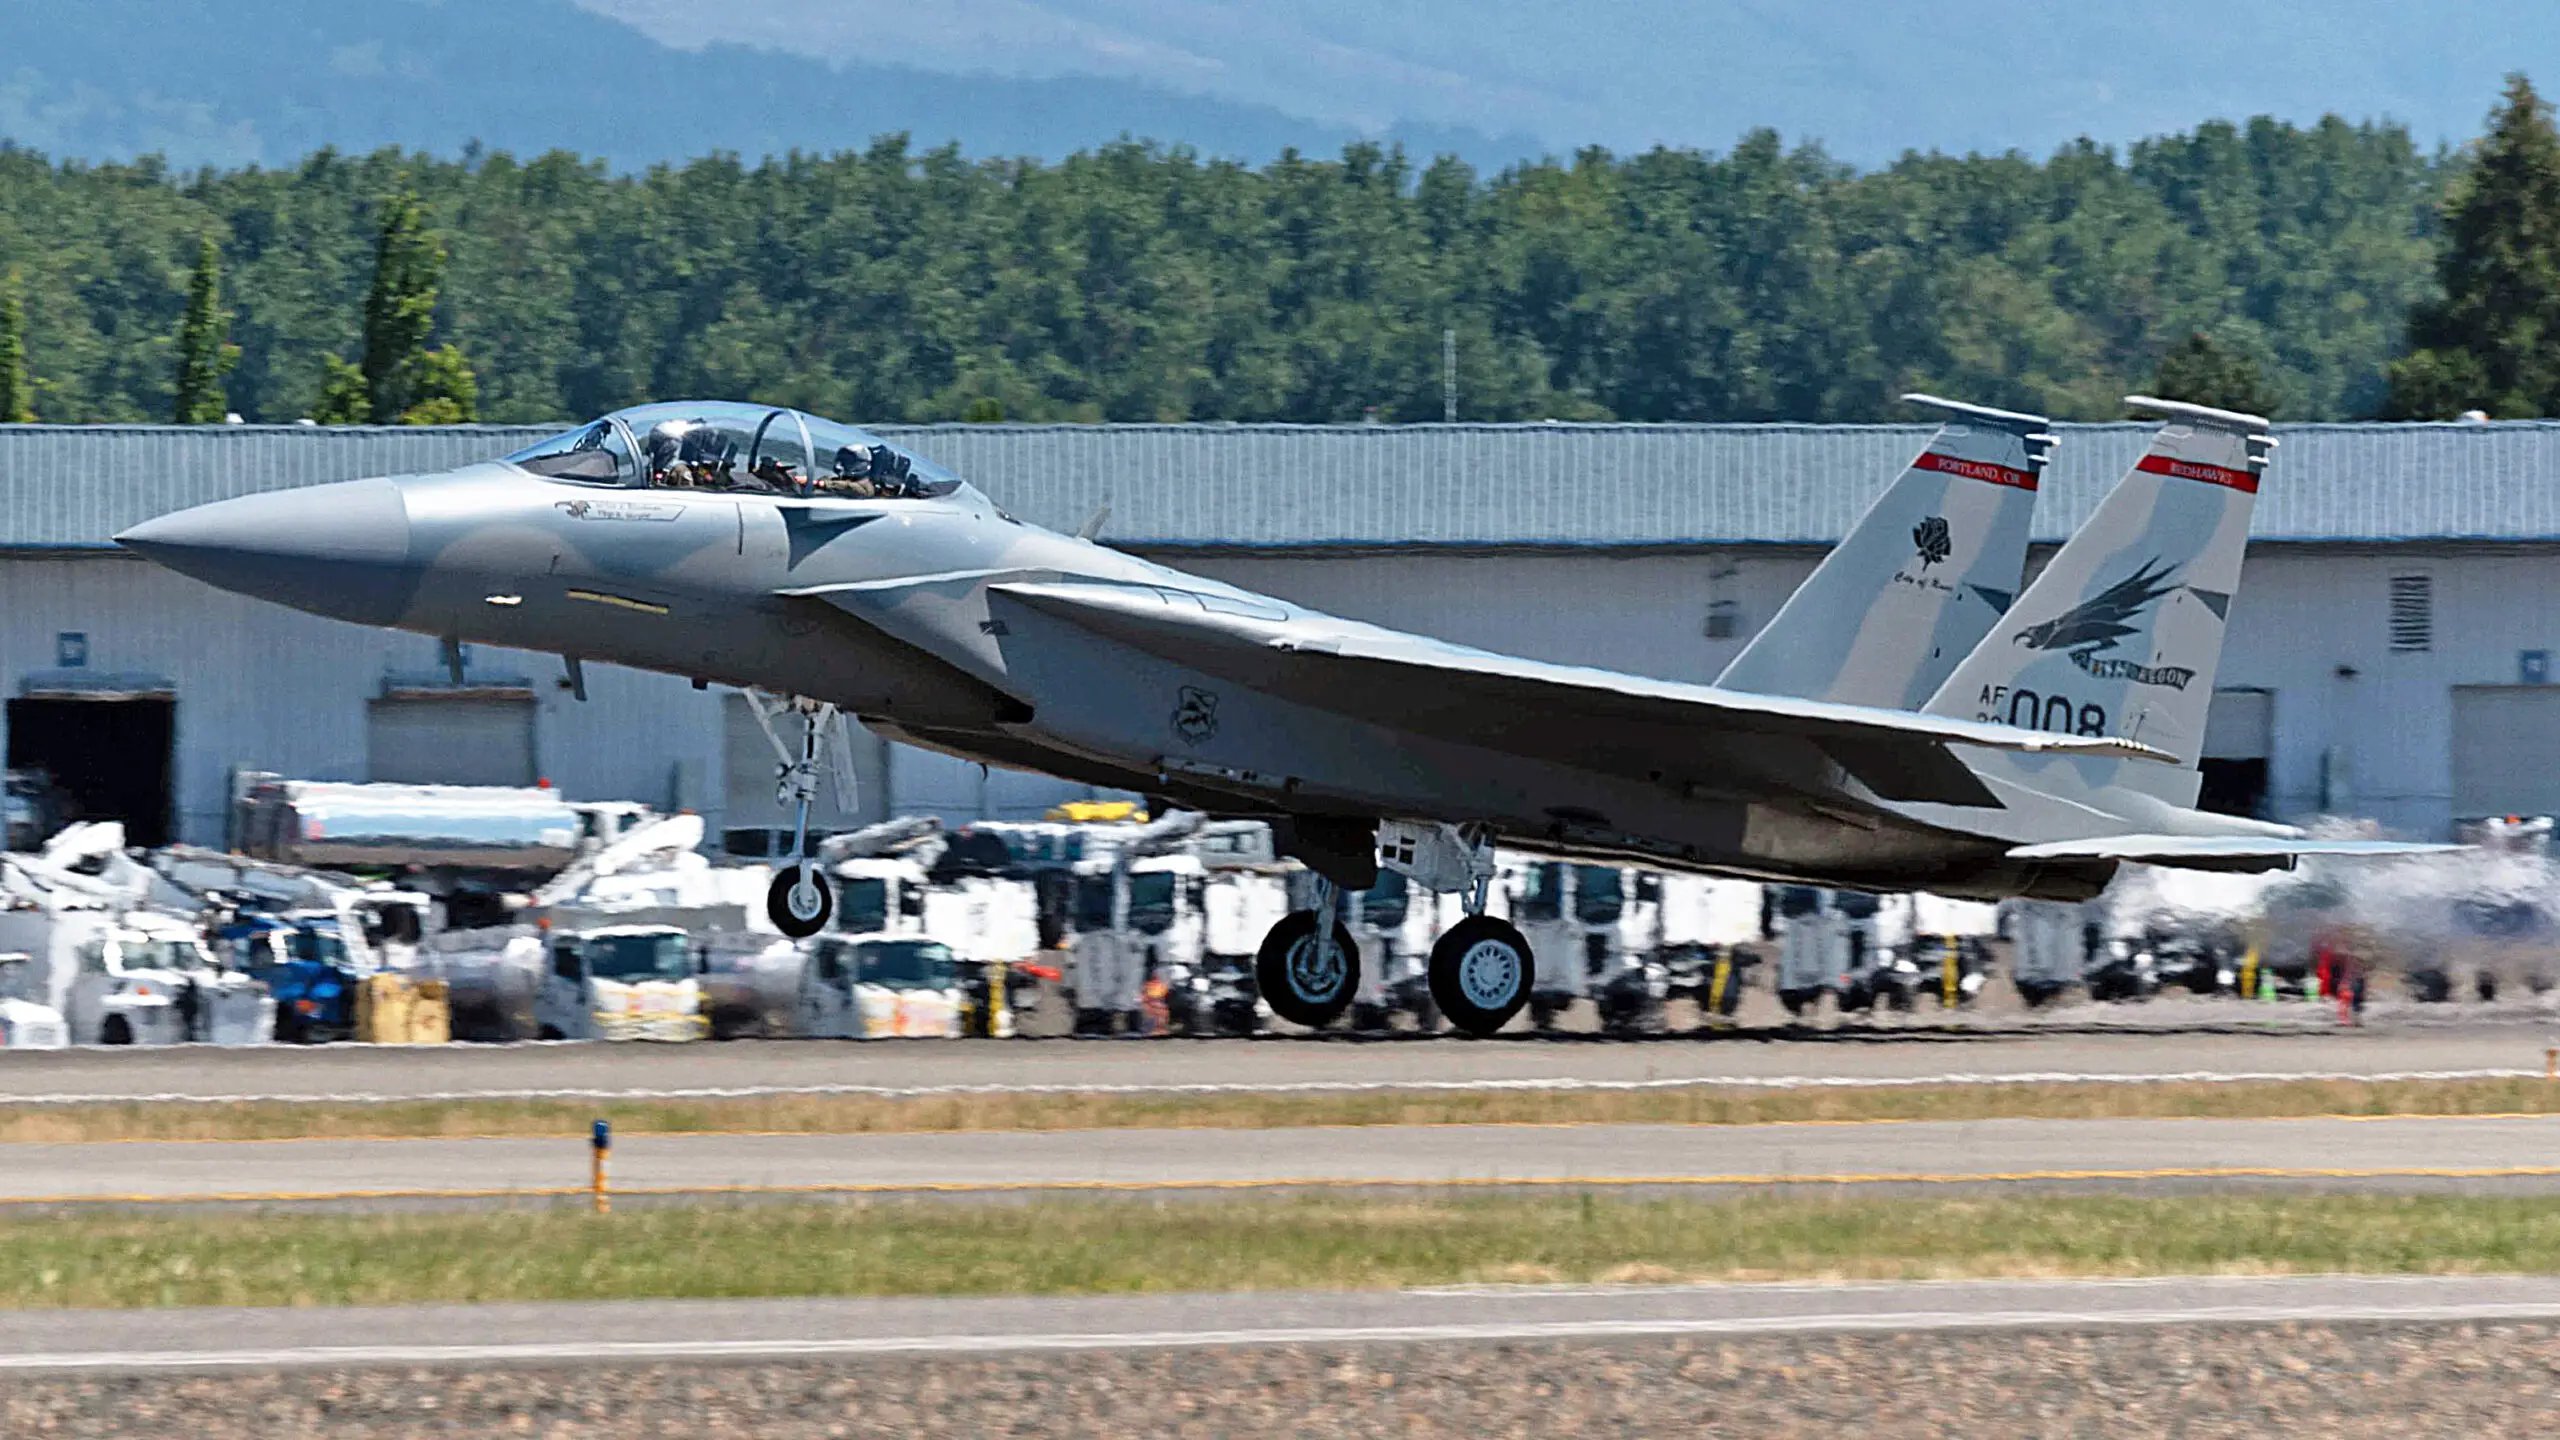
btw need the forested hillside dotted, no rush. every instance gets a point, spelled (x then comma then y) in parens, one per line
(1141, 284)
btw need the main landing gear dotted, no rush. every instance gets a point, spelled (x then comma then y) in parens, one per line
(1309, 967)
(1480, 971)
(799, 902)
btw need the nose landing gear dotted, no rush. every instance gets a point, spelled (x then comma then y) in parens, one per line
(798, 901)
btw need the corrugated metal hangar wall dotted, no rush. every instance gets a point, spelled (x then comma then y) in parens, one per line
(2388, 658)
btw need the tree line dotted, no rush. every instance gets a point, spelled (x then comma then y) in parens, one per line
(2328, 271)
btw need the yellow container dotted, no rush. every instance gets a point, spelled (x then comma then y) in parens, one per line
(398, 1010)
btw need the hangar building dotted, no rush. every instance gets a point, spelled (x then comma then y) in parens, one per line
(2390, 653)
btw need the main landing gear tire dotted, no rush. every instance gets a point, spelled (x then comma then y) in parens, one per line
(1481, 972)
(797, 910)
(1297, 981)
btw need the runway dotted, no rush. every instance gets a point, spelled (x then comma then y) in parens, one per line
(2518, 1151)
(584, 1334)
(2271, 1041)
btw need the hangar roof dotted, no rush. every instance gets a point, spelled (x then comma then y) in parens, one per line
(1363, 487)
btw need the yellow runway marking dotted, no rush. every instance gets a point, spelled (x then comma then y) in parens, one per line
(1474, 1182)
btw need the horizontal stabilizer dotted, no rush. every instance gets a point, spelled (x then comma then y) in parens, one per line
(2208, 851)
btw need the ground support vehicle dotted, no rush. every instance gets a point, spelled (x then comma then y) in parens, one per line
(1703, 932)
(27, 1023)
(1137, 916)
(1394, 923)
(311, 961)
(615, 982)
(1570, 915)
(138, 979)
(869, 987)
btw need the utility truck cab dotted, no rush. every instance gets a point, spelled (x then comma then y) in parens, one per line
(621, 982)
(1133, 918)
(866, 987)
(880, 895)
(142, 979)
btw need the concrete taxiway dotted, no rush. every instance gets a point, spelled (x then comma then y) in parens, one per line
(748, 1330)
(2289, 1040)
(2517, 1151)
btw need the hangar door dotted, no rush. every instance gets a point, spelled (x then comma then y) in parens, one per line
(94, 755)
(752, 825)
(2506, 750)
(450, 740)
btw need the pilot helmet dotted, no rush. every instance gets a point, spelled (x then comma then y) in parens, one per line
(853, 462)
(666, 442)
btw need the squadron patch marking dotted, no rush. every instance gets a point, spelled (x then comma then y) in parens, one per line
(583, 509)
(1195, 714)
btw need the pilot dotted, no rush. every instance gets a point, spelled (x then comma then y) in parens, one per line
(714, 458)
(892, 473)
(665, 450)
(852, 473)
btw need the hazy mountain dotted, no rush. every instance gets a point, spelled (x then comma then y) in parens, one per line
(267, 81)
(639, 81)
(1869, 78)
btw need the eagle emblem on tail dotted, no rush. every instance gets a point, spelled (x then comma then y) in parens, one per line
(2101, 620)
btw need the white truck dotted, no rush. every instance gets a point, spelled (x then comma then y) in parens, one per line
(1133, 919)
(139, 979)
(1571, 915)
(870, 987)
(622, 982)
(1394, 923)
(1704, 931)
(27, 1023)
(613, 982)
(1136, 910)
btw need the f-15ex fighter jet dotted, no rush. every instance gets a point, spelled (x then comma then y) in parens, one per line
(1908, 721)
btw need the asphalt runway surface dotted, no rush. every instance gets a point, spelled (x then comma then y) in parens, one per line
(610, 1332)
(2516, 1151)
(2294, 1040)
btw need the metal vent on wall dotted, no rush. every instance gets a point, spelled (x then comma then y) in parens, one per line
(2413, 612)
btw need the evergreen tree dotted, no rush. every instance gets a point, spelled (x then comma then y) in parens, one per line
(401, 374)
(447, 393)
(17, 392)
(2492, 340)
(2203, 373)
(343, 400)
(205, 353)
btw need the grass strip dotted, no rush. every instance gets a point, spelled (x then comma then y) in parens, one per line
(1319, 1242)
(828, 1114)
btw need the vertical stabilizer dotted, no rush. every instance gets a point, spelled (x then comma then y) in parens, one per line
(1922, 576)
(2122, 633)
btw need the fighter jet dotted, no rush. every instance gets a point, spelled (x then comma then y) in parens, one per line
(828, 573)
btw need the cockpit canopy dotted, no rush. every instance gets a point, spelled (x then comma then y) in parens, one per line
(724, 445)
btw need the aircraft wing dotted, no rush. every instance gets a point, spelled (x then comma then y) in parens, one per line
(1529, 707)
(2219, 852)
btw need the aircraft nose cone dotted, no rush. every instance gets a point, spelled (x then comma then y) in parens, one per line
(338, 549)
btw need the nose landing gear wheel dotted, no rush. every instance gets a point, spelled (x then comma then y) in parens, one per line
(1480, 974)
(1300, 982)
(798, 910)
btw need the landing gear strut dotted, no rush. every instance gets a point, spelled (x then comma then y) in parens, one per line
(1309, 966)
(799, 902)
